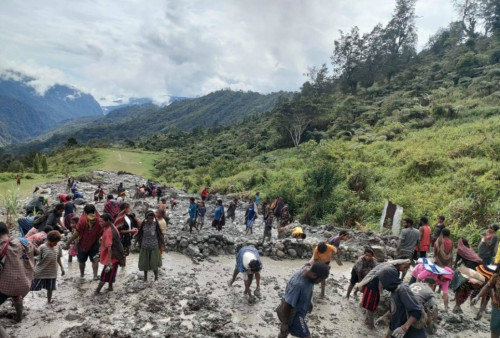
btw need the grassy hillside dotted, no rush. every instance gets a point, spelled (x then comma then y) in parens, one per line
(75, 161)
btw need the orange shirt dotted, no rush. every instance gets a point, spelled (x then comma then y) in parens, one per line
(326, 256)
(425, 241)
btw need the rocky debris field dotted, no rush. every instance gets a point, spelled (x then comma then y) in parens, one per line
(191, 298)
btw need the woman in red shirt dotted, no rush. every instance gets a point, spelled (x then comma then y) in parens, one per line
(108, 274)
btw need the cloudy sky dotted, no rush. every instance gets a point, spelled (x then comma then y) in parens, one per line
(161, 48)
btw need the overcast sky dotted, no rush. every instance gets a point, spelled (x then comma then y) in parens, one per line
(157, 48)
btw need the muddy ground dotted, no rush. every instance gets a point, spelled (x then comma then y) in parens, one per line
(192, 299)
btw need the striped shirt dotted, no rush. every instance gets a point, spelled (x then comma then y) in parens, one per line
(46, 268)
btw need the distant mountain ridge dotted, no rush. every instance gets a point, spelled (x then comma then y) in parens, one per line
(223, 107)
(133, 101)
(25, 113)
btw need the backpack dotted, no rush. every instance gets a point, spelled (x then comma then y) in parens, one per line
(40, 221)
(117, 250)
(3, 255)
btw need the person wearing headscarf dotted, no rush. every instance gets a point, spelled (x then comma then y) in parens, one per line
(466, 255)
(128, 225)
(151, 244)
(488, 245)
(443, 249)
(112, 206)
(277, 206)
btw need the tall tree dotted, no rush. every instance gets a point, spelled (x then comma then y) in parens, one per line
(490, 12)
(373, 56)
(293, 118)
(36, 164)
(347, 58)
(470, 14)
(319, 83)
(400, 36)
(44, 164)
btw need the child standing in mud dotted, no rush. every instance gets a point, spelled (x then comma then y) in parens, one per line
(193, 214)
(250, 216)
(268, 226)
(46, 268)
(201, 210)
(73, 252)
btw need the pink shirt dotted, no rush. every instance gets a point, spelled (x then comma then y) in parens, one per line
(420, 274)
(39, 238)
(417, 270)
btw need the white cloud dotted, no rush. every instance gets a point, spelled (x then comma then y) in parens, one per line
(156, 48)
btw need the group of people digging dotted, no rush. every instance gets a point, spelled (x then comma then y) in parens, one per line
(107, 238)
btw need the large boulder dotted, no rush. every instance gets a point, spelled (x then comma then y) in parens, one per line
(380, 253)
(193, 250)
(183, 243)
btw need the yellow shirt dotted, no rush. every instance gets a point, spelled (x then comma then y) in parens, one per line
(497, 257)
(297, 231)
(326, 256)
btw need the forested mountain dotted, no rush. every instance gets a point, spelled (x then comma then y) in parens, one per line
(19, 120)
(25, 113)
(133, 123)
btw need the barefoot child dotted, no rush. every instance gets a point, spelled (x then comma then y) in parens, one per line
(46, 268)
(72, 252)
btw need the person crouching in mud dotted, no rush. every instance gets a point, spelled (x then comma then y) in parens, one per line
(323, 253)
(248, 263)
(296, 302)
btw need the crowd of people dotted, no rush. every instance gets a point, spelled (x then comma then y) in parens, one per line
(107, 238)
